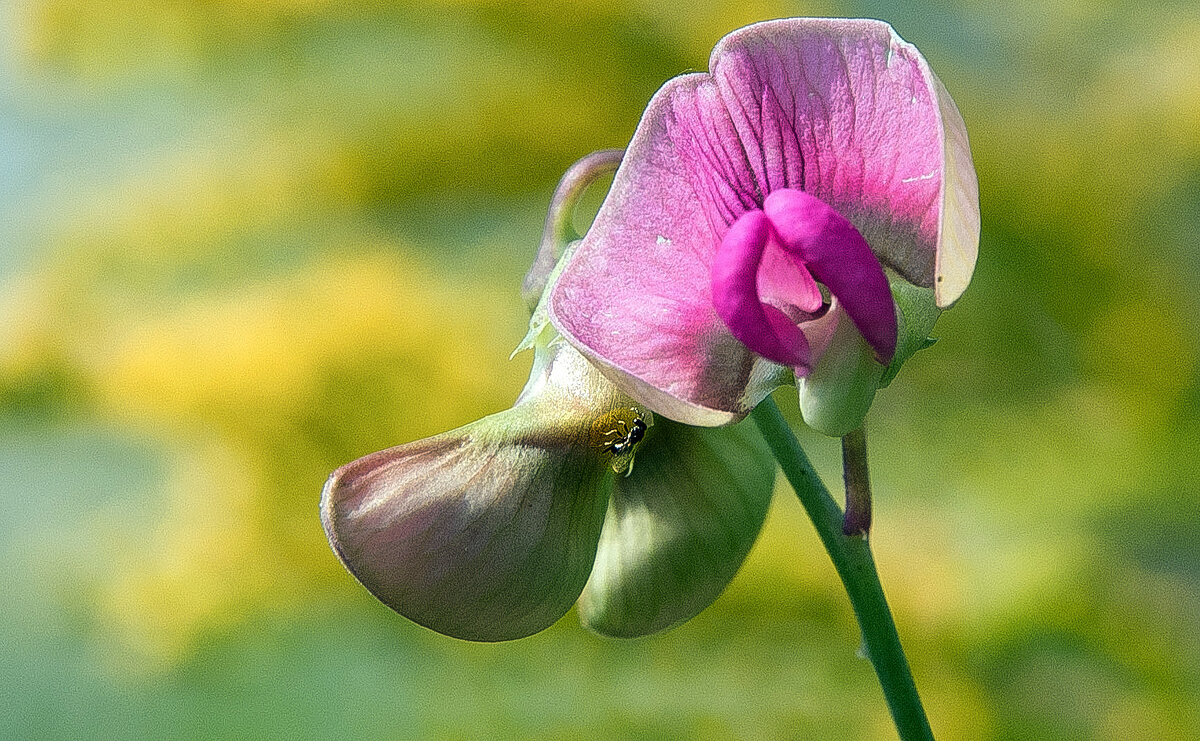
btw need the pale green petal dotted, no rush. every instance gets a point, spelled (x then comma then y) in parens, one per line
(487, 532)
(678, 528)
(836, 395)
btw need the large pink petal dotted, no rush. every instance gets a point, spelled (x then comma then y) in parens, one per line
(880, 139)
(958, 241)
(636, 297)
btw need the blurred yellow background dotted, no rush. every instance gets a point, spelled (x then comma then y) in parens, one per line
(242, 243)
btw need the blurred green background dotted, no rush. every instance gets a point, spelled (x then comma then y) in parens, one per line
(243, 242)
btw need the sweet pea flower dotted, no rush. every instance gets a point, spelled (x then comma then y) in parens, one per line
(577, 493)
(803, 210)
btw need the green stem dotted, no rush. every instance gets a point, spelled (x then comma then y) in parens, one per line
(851, 556)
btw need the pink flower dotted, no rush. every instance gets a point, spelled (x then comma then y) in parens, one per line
(763, 216)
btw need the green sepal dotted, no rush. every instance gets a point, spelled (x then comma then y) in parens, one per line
(541, 331)
(917, 314)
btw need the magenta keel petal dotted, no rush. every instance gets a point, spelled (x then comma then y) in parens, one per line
(838, 256)
(763, 329)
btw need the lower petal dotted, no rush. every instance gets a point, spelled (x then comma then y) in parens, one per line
(678, 528)
(487, 532)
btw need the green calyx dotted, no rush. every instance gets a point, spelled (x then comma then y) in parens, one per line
(917, 314)
(836, 395)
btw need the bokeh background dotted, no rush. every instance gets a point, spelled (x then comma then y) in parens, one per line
(243, 242)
